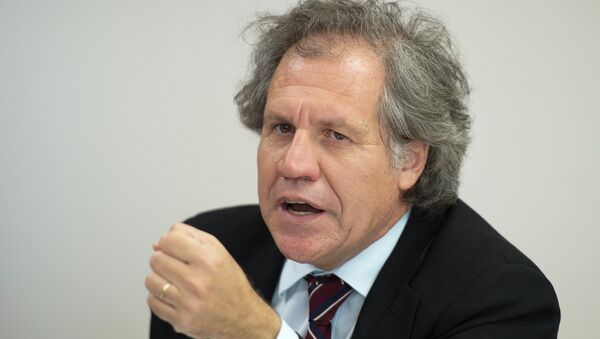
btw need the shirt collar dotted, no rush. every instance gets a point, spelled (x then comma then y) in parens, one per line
(360, 272)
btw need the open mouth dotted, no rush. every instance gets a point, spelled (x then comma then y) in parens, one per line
(300, 208)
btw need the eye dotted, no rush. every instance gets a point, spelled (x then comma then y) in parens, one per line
(336, 136)
(283, 128)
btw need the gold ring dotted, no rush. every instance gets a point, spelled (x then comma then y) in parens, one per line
(164, 291)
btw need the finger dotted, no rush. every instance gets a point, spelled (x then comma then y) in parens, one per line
(164, 311)
(180, 245)
(168, 267)
(163, 289)
(194, 232)
(185, 228)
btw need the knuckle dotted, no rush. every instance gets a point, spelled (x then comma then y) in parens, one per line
(193, 287)
(182, 325)
(217, 262)
(209, 237)
(154, 260)
(177, 327)
(174, 237)
(169, 239)
(148, 282)
(188, 286)
(202, 290)
(162, 240)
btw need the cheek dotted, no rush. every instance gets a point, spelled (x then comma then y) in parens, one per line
(262, 167)
(268, 154)
(267, 168)
(363, 186)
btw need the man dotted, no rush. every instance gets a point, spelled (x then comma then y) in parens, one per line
(359, 232)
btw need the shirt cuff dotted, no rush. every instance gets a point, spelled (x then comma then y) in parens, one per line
(286, 332)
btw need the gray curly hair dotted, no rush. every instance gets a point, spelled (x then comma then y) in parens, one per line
(425, 88)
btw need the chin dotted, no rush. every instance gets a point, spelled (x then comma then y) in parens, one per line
(297, 249)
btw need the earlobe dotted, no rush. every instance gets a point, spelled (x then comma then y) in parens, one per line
(413, 165)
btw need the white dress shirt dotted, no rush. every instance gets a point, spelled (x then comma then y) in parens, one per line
(290, 299)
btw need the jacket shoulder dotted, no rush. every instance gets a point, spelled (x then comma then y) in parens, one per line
(474, 277)
(233, 215)
(469, 240)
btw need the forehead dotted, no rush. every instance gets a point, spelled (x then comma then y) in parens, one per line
(342, 67)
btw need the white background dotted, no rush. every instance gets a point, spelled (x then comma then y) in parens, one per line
(116, 120)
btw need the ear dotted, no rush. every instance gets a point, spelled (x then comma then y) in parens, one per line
(413, 165)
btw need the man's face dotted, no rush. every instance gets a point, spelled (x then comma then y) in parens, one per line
(325, 184)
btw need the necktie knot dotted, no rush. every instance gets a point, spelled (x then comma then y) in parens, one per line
(326, 293)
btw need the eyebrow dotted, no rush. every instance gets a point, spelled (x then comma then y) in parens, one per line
(341, 123)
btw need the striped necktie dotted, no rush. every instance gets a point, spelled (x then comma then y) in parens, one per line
(326, 293)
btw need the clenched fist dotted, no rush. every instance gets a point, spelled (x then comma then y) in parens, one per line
(209, 295)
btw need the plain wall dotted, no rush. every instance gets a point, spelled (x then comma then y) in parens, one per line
(117, 120)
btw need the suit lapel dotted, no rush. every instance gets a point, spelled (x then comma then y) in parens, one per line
(390, 306)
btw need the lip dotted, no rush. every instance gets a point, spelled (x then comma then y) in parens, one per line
(298, 198)
(294, 218)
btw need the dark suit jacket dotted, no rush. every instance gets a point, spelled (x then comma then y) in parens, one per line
(449, 276)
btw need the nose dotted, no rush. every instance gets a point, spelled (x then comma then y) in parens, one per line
(299, 161)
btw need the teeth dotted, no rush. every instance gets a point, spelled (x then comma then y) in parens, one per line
(299, 213)
(295, 202)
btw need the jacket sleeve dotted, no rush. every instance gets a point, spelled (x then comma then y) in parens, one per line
(160, 329)
(507, 301)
